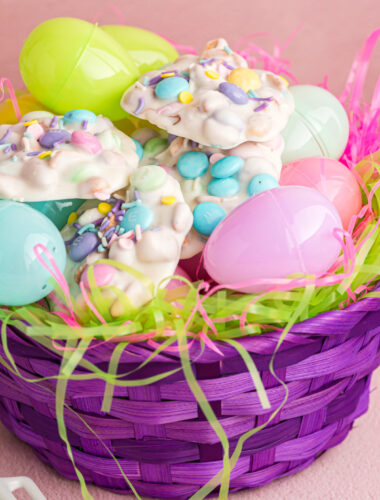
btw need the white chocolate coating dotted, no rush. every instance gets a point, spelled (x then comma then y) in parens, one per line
(154, 252)
(259, 158)
(97, 161)
(212, 118)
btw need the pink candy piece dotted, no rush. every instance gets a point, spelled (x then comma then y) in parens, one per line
(35, 130)
(86, 141)
(215, 157)
(103, 275)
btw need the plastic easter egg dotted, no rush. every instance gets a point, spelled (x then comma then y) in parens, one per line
(68, 63)
(148, 50)
(26, 102)
(273, 235)
(318, 127)
(57, 211)
(329, 177)
(23, 279)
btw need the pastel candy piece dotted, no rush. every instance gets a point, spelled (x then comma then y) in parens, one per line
(79, 116)
(53, 136)
(171, 87)
(148, 178)
(83, 245)
(155, 146)
(246, 78)
(139, 215)
(139, 148)
(192, 164)
(207, 216)
(261, 183)
(86, 141)
(228, 117)
(103, 275)
(223, 187)
(226, 166)
(233, 92)
(35, 130)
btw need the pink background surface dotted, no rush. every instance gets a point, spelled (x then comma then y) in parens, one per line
(331, 31)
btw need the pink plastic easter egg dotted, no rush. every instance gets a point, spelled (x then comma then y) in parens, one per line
(174, 283)
(329, 177)
(273, 235)
(86, 141)
(103, 275)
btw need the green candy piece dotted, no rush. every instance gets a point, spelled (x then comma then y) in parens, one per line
(155, 146)
(148, 178)
(109, 140)
(83, 172)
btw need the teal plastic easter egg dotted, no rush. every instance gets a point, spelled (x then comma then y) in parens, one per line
(68, 63)
(318, 127)
(57, 211)
(148, 50)
(23, 279)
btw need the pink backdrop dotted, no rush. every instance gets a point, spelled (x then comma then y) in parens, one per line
(330, 33)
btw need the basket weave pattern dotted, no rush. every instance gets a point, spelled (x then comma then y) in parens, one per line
(164, 443)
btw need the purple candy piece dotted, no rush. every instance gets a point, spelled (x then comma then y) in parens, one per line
(233, 92)
(83, 245)
(53, 136)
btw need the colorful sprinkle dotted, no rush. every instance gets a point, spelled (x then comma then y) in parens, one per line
(31, 122)
(3, 140)
(261, 107)
(212, 74)
(139, 148)
(72, 218)
(167, 75)
(284, 80)
(28, 135)
(227, 49)
(145, 82)
(168, 200)
(185, 97)
(140, 106)
(54, 121)
(45, 154)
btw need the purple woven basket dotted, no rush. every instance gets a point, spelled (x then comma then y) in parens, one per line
(165, 445)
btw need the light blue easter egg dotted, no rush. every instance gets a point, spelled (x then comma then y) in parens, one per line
(319, 125)
(139, 148)
(57, 211)
(23, 279)
(207, 216)
(227, 166)
(192, 164)
(223, 187)
(139, 214)
(171, 87)
(79, 116)
(261, 183)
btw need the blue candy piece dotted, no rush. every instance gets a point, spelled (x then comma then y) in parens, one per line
(227, 166)
(52, 136)
(192, 164)
(83, 245)
(223, 187)
(139, 214)
(207, 216)
(79, 116)
(233, 92)
(261, 183)
(23, 279)
(169, 88)
(139, 148)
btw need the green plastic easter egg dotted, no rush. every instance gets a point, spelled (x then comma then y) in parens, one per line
(148, 50)
(57, 211)
(68, 63)
(318, 127)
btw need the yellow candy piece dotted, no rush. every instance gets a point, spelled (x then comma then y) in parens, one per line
(212, 74)
(185, 97)
(45, 154)
(72, 218)
(104, 208)
(245, 78)
(168, 200)
(284, 80)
